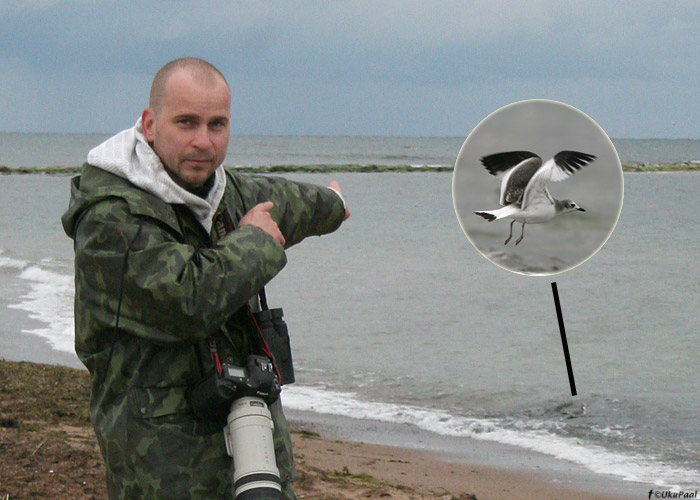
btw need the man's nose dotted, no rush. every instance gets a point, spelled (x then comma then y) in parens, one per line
(201, 139)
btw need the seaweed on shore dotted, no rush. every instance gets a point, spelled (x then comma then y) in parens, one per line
(370, 168)
(55, 170)
(685, 166)
(48, 448)
(33, 393)
(262, 169)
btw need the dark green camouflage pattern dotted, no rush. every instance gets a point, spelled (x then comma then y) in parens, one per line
(178, 286)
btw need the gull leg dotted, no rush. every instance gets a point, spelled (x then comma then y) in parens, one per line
(511, 232)
(521, 235)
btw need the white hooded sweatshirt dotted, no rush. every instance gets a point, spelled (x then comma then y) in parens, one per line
(129, 155)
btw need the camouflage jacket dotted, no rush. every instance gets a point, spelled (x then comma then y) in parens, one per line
(174, 286)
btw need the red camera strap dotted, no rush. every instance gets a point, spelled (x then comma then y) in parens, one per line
(214, 355)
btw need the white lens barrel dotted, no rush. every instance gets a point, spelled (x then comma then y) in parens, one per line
(249, 441)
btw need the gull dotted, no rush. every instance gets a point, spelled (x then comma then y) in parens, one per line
(524, 194)
(569, 410)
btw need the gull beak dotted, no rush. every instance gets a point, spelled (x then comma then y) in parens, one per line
(580, 209)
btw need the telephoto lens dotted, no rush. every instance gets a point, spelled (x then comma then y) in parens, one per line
(249, 441)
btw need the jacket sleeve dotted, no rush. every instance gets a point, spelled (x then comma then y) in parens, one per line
(300, 209)
(169, 291)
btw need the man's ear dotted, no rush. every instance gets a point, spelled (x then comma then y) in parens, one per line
(148, 123)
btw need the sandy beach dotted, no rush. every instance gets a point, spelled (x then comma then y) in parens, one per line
(47, 449)
(375, 471)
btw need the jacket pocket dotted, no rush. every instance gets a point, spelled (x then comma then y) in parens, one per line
(155, 402)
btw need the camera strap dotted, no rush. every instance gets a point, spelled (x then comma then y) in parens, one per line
(223, 225)
(263, 300)
(264, 347)
(214, 354)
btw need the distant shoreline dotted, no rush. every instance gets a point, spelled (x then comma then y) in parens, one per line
(319, 168)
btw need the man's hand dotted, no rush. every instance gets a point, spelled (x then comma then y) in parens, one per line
(259, 216)
(336, 187)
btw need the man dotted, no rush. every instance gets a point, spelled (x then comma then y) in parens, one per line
(170, 248)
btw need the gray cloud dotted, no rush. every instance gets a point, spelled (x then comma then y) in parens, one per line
(384, 67)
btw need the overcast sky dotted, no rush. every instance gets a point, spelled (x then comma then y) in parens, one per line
(423, 68)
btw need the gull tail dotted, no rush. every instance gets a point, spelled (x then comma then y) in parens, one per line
(486, 215)
(491, 215)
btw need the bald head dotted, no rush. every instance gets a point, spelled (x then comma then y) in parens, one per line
(201, 71)
(188, 119)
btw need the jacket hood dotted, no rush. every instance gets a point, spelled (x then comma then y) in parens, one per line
(95, 185)
(129, 156)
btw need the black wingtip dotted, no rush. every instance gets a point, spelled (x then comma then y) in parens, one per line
(489, 217)
(572, 160)
(500, 162)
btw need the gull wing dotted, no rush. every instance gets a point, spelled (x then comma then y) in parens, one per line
(562, 166)
(498, 163)
(516, 168)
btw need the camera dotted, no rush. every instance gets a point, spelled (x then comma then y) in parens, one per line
(239, 396)
(211, 398)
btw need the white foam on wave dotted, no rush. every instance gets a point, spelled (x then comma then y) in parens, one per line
(10, 263)
(593, 457)
(49, 300)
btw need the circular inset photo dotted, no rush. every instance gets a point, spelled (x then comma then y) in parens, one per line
(538, 187)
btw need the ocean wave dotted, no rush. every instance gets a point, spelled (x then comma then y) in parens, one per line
(49, 300)
(11, 263)
(523, 434)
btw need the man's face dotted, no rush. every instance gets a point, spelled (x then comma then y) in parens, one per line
(190, 130)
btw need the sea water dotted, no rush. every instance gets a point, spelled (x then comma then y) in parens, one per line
(398, 319)
(56, 149)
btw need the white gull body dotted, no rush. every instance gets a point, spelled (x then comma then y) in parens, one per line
(524, 194)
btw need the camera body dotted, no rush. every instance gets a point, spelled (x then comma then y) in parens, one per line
(211, 399)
